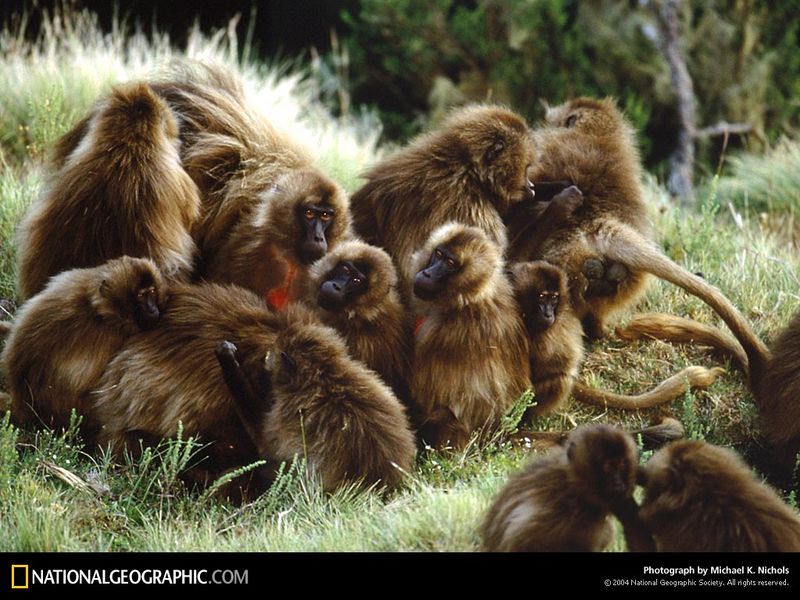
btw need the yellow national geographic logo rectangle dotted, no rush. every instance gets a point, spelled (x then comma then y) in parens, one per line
(19, 577)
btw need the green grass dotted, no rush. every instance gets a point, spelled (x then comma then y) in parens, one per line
(142, 504)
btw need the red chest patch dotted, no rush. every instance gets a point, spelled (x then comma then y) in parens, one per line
(279, 297)
(418, 325)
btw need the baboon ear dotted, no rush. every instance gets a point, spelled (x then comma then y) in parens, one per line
(289, 363)
(495, 150)
(105, 289)
(571, 120)
(570, 449)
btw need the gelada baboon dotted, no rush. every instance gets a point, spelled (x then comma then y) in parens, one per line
(354, 289)
(702, 498)
(326, 407)
(556, 347)
(267, 211)
(470, 170)
(120, 191)
(774, 378)
(470, 348)
(605, 244)
(170, 375)
(563, 501)
(62, 339)
(295, 223)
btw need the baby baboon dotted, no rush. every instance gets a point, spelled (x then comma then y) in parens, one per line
(120, 191)
(556, 347)
(327, 407)
(562, 501)
(354, 290)
(295, 223)
(605, 245)
(702, 498)
(170, 375)
(469, 170)
(62, 339)
(470, 350)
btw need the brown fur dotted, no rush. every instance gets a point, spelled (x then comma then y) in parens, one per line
(263, 248)
(562, 501)
(63, 338)
(452, 174)
(375, 325)
(470, 353)
(598, 154)
(333, 410)
(556, 353)
(120, 191)
(702, 498)
(170, 375)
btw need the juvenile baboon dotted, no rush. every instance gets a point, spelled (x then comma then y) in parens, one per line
(702, 498)
(120, 191)
(170, 375)
(62, 339)
(469, 170)
(562, 501)
(354, 289)
(295, 223)
(556, 347)
(605, 245)
(326, 407)
(470, 350)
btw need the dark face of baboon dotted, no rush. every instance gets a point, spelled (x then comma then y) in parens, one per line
(131, 290)
(343, 284)
(541, 290)
(459, 259)
(309, 212)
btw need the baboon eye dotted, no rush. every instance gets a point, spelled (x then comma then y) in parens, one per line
(451, 262)
(571, 120)
(325, 216)
(310, 214)
(438, 254)
(357, 280)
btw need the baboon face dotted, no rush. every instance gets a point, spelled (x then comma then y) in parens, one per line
(541, 289)
(132, 288)
(460, 262)
(501, 150)
(586, 115)
(343, 284)
(432, 280)
(353, 277)
(605, 458)
(308, 213)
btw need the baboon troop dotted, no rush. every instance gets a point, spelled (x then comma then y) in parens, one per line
(189, 267)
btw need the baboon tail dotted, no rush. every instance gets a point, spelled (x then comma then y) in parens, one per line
(679, 330)
(625, 245)
(668, 390)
